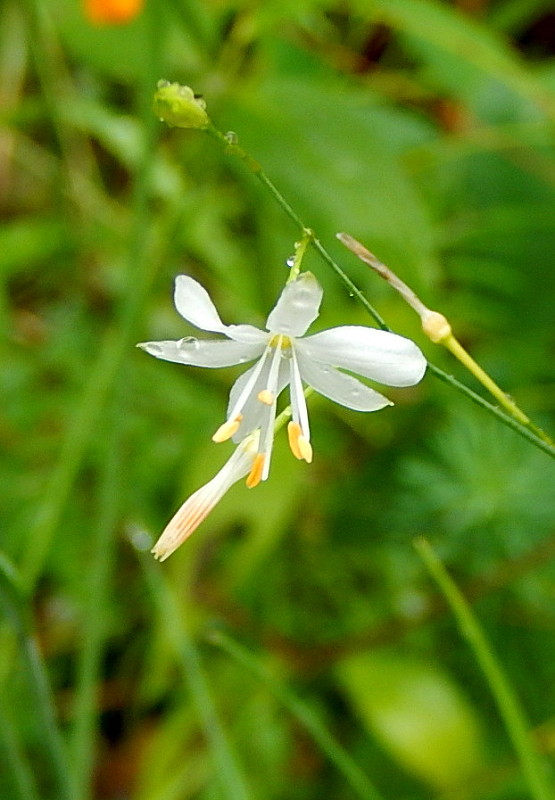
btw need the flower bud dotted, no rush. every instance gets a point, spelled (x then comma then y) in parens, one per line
(178, 107)
(435, 326)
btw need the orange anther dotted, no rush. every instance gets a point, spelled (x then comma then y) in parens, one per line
(255, 475)
(228, 429)
(299, 444)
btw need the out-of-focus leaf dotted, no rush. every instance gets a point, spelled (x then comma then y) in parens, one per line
(466, 44)
(338, 157)
(27, 242)
(418, 714)
(485, 490)
(513, 15)
(121, 135)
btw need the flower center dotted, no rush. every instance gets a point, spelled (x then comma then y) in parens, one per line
(280, 340)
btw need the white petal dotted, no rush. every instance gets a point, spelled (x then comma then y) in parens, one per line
(298, 400)
(268, 422)
(297, 306)
(244, 386)
(194, 304)
(382, 356)
(341, 388)
(203, 353)
(197, 507)
(247, 334)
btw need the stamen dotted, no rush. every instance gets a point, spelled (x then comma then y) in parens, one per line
(228, 429)
(306, 449)
(255, 475)
(249, 385)
(299, 444)
(266, 397)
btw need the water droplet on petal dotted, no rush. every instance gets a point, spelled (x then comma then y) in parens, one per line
(290, 261)
(188, 342)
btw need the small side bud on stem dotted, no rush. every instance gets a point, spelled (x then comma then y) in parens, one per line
(438, 329)
(436, 326)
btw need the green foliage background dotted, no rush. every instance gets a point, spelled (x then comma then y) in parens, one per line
(296, 647)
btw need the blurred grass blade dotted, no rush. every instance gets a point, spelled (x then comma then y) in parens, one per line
(359, 782)
(11, 755)
(113, 468)
(228, 772)
(12, 598)
(77, 437)
(142, 266)
(507, 702)
(94, 626)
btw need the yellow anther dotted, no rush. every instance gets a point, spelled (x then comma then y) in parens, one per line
(266, 397)
(255, 475)
(228, 429)
(299, 444)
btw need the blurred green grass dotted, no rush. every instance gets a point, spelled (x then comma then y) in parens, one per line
(426, 130)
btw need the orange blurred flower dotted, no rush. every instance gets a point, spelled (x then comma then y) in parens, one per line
(112, 12)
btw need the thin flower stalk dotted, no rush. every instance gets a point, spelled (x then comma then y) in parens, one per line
(438, 329)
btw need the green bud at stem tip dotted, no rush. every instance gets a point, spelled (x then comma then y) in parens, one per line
(177, 106)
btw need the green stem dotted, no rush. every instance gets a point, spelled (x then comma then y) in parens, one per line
(41, 700)
(455, 347)
(507, 702)
(232, 147)
(510, 422)
(228, 773)
(300, 250)
(357, 779)
(285, 415)
(438, 329)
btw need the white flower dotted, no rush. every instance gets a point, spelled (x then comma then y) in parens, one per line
(284, 358)
(195, 510)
